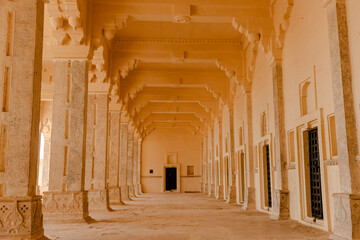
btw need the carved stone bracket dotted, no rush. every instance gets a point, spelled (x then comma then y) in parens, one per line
(67, 19)
(120, 22)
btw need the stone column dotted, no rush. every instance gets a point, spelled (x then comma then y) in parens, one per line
(123, 157)
(46, 161)
(280, 195)
(222, 167)
(66, 200)
(205, 173)
(96, 151)
(114, 161)
(135, 163)
(130, 162)
(213, 174)
(249, 202)
(20, 85)
(139, 166)
(209, 164)
(347, 211)
(231, 198)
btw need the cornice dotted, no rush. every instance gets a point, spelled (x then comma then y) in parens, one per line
(169, 69)
(179, 41)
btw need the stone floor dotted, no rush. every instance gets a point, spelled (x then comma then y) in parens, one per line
(174, 216)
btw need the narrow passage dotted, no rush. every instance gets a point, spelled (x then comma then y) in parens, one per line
(180, 217)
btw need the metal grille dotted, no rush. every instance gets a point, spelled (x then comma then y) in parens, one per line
(315, 175)
(268, 176)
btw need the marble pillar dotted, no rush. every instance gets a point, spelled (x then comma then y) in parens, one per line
(20, 84)
(231, 193)
(66, 200)
(123, 159)
(280, 194)
(130, 162)
(249, 201)
(135, 164)
(346, 203)
(114, 158)
(96, 151)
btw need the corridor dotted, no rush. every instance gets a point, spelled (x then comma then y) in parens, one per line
(182, 216)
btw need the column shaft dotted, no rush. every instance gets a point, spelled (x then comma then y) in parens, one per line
(280, 209)
(130, 163)
(20, 84)
(114, 160)
(249, 202)
(231, 198)
(123, 160)
(96, 151)
(135, 167)
(347, 222)
(66, 200)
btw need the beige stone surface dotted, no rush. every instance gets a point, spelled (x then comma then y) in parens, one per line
(183, 216)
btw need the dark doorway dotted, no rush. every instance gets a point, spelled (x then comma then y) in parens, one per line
(315, 175)
(171, 179)
(267, 176)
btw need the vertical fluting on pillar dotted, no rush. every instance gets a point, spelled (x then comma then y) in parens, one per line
(130, 162)
(123, 158)
(66, 200)
(96, 152)
(280, 195)
(21, 41)
(114, 158)
(346, 223)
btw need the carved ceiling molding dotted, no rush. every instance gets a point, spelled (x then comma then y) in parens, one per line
(120, 22)
(68, 21)
(180, 70)
(284, 24)
(128, 67)
(179, 41)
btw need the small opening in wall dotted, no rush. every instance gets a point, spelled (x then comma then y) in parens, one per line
(151, 171)
(190, 170)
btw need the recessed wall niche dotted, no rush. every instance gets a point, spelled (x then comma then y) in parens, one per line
(171, 158)
(307, 94)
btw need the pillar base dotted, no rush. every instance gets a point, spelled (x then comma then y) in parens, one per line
(136, 190)
(206, 189)
(124, 194)
(130, 189)
(98, 200)
(280, 208)
(347, 216)
(115, 195)
(66, 207)
(231, 198)
(249, 202)
(221, 192)
(212, 191)
(140, 189)
(21, 218)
